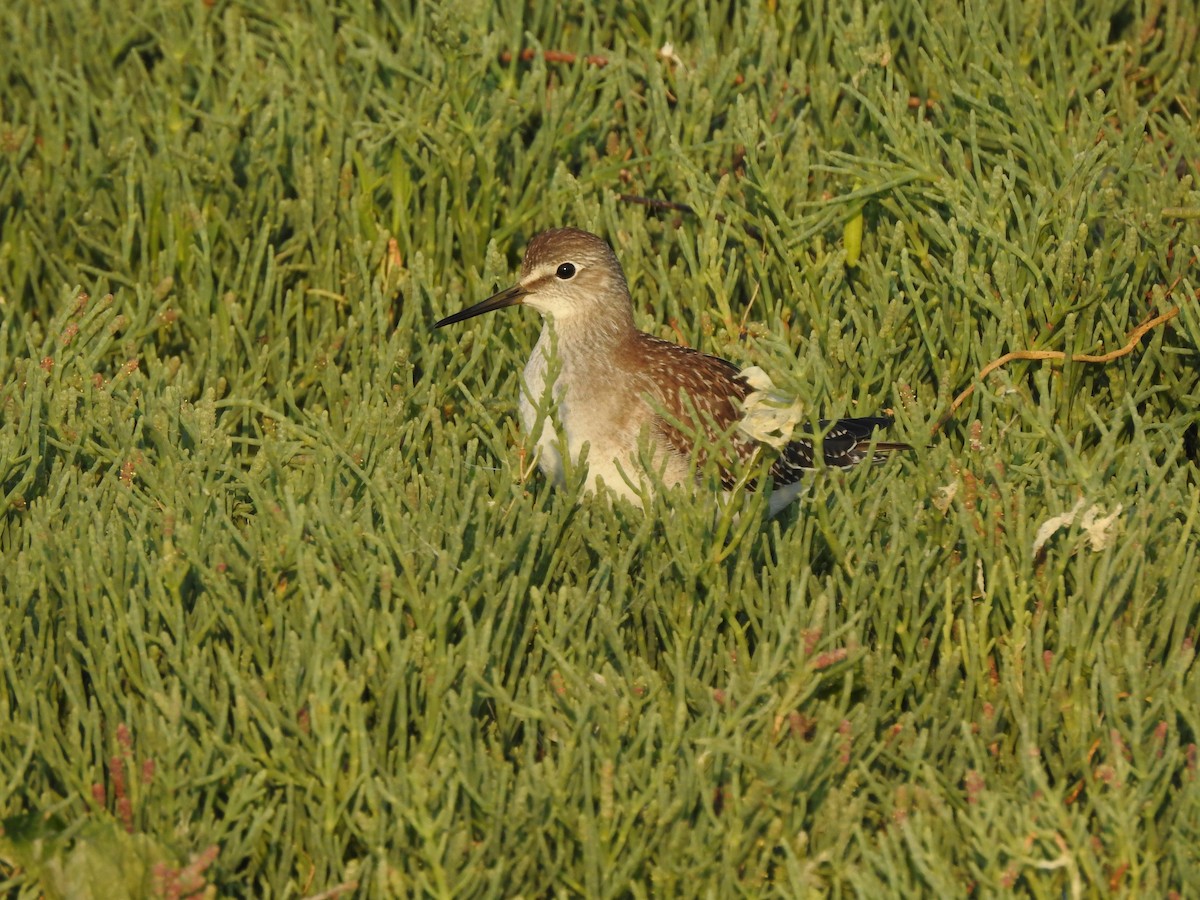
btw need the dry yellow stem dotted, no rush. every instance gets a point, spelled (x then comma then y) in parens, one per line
(1135, 336)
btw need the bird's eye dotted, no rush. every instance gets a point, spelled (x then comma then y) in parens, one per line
(566, 271)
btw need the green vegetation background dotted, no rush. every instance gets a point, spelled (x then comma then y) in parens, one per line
(283, 613)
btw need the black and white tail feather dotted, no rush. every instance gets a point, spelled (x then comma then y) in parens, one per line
(846, 443)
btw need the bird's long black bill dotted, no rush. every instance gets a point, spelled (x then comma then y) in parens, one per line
(509, 297)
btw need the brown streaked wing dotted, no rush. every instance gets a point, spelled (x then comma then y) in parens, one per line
(714, 389)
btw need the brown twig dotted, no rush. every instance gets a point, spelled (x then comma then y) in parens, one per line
(661, 204)
(1135, 336)
(681, 207)
(554, 56)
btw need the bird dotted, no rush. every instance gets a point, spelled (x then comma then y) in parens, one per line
(616, 386)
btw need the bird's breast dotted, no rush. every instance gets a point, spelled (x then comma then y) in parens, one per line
(591, 402)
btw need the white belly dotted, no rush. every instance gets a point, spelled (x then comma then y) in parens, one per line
(589, 413)
(534, 397)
